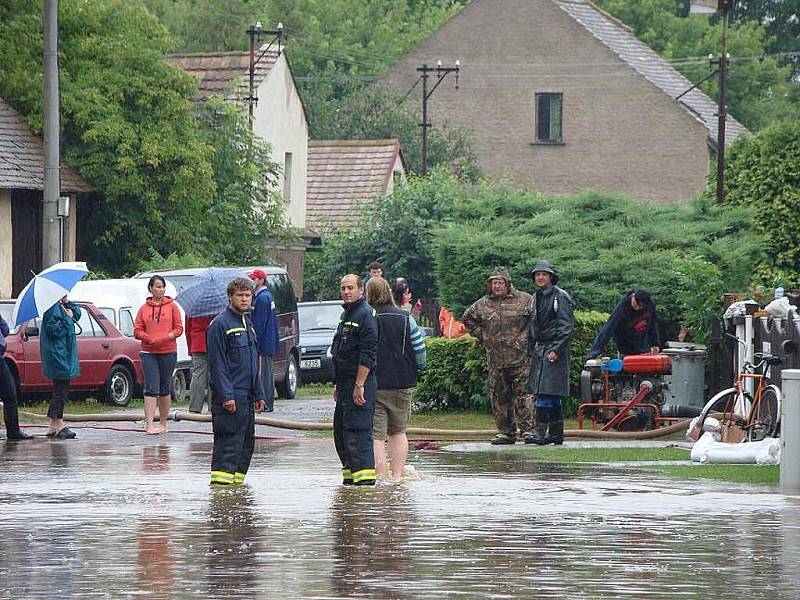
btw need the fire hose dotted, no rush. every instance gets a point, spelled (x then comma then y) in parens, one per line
(415, 432)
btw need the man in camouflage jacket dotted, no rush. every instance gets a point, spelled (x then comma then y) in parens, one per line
(500, 321)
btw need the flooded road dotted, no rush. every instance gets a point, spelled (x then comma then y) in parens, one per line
(121, 515)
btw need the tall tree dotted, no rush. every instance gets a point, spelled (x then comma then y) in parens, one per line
(127, 121)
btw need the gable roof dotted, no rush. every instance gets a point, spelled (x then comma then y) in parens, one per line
(620, 39)
(342, 174)
(227, 73)
(22, 157)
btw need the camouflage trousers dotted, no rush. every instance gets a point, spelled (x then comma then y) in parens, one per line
(511, 403)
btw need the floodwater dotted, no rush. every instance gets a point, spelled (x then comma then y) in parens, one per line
(121, 515)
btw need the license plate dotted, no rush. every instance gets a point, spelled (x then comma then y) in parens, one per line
(314, 363)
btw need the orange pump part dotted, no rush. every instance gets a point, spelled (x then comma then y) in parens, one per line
(646, 363)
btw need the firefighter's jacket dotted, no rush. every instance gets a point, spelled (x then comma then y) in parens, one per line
(233, 358)
(356, 341)
(501, 324)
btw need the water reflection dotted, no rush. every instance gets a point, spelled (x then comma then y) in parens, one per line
(155, 459)
(155, 557)
(372, 556)
(233, 542)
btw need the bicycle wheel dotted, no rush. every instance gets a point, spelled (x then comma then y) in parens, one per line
(765, 418)
(723, 402)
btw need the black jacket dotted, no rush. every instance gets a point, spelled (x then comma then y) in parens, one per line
(233, 358)
(635, 331)
(356, 341)
(396, 368)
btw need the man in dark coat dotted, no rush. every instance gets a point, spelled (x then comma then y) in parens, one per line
(551, 326)
(633, 324)
(236, 391)
(354, 350)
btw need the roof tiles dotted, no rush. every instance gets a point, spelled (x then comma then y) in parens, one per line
(620, 39)
(22, 157)
(226, 72)
(345, 174)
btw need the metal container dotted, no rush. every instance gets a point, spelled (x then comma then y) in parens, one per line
(687, 384)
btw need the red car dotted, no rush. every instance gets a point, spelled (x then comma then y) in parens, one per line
(110, 362)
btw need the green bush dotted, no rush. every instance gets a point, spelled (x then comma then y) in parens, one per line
(456, 377)
(602, 245)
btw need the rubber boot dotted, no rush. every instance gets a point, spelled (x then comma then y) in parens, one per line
(539, 436)
(556, 433)
(11, 417)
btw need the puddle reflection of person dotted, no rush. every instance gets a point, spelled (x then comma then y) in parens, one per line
(234, 541)
(371, 533)
(155, 557)
(155, 459)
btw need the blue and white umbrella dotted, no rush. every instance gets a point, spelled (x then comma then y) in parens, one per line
(206, 294)
(45, 289)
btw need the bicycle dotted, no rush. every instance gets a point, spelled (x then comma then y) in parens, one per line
(744, 415)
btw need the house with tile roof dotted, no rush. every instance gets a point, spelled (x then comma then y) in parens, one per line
(279, 116)
(562, 96)
(22, 161)
(345, 174)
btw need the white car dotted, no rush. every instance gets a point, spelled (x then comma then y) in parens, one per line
(119, 300)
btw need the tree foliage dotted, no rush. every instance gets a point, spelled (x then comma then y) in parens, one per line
(763, 174)
(602, 245)
(127, 123)
(396, 231)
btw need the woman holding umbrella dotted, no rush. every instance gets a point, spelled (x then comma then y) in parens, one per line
(59, 348)
(158, 324)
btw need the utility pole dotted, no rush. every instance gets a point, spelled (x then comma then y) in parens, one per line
(724, 8)
(441, 73)
(256, 32)
(51, 223)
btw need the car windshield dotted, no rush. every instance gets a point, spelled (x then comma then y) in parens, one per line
(319, 316)
(6, 308)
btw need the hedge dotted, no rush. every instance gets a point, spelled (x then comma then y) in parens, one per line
(456, 377)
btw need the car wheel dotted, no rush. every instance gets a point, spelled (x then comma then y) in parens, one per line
(288, 387)
(119, 386)
(178, 386)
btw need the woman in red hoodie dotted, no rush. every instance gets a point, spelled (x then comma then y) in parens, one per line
(158, 324)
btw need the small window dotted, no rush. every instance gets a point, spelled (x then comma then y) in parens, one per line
(548, 118)
(126, 322)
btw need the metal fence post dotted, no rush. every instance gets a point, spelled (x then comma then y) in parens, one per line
(790, 432)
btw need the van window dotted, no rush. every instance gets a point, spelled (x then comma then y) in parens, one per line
(126, 322)
(282, 292)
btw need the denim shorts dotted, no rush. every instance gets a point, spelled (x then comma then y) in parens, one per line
(158, 369)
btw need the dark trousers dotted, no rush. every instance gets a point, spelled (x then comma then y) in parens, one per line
(59, 398)
(8, 394)
(267, 381)
(352, 432)
(234, 440)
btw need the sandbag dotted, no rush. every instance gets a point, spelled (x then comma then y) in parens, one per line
(709, 451)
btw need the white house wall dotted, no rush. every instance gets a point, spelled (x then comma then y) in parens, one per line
(280, 120)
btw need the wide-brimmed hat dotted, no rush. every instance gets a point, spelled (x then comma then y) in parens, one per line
(499, 273)
(545, 267)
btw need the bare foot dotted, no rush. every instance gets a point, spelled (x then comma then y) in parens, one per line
(152, 431)
(162, 429)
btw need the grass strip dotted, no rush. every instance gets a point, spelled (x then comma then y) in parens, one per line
(563, 454)
(755, 474)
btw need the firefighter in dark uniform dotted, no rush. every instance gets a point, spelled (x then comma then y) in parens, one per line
(354, 349)
(236, 392)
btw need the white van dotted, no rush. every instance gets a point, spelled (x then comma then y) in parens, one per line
(119, 300)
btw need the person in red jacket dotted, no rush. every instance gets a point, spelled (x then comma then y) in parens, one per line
(196, 342)
(158, 324)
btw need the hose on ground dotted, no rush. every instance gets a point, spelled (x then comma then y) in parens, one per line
(416, 432)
